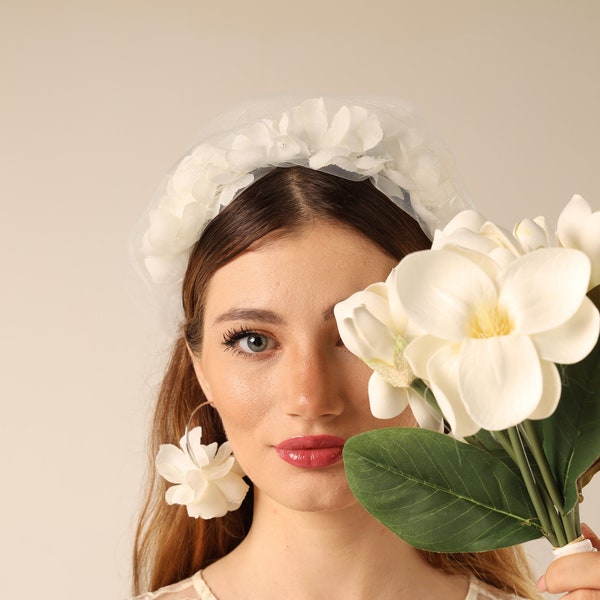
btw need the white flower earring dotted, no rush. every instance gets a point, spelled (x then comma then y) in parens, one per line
(209, 478)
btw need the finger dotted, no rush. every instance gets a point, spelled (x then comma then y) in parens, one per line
(582, 595)
(590, 535)
(573, 572)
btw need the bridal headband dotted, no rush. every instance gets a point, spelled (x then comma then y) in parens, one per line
(357, 139)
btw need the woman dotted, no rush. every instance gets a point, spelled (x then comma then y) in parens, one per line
(288, 216)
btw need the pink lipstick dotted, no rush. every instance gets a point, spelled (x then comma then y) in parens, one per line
(311, 451)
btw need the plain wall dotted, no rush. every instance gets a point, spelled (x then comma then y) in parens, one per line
(98, 99)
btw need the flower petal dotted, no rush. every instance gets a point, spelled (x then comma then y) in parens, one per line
(500, 380)
(395, 308)
(370, 132)
(179, 494)
(543, 289)
(579, 227)
(218, 471)
(443, 376)
(463, 238)
(380, 340)
(340, 125)
(223, 453)
(419, 351)
(550, 393)
(212, 504)
(425, 415)
(198, 481)
(500, 237)
(172, 463)
(570, 219)
(532, 234)
(573, 340)
(234, 488)
(466, 219)
(365, 326)
(311, 116)
(439, 289)
(386, 401)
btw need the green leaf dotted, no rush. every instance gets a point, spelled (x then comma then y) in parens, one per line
(485, 440)
(465, 501)
(572, 434)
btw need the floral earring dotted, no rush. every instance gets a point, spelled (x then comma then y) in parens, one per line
(209, 478)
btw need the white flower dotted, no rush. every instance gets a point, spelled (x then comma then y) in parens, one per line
(352, 140)
(533, 234)
(493, 333)
(372, 326)
(209, 480)
(469, 232)
(579, 227)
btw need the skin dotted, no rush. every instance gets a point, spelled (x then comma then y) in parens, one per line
(315, 538)
(305, 382)
(577, 575)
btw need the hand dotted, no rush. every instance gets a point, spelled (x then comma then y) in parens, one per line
(577, 574)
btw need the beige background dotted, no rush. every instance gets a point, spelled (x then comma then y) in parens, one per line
(98, 99)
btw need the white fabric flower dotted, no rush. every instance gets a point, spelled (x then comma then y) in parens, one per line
(209, 481)
(579, 227)
(351, 140)
(494, 333)
(372, 326)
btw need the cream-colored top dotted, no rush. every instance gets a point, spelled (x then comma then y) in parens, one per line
(195, 588)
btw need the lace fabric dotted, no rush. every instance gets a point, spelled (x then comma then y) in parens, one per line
(195, 588)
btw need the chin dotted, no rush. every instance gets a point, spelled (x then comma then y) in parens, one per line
(313, 491)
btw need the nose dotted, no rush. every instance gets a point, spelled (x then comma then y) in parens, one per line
(312, 386)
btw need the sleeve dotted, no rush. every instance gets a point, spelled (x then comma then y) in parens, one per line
(183, 590)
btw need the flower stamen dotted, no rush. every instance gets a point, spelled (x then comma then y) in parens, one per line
(397, 374)
(490, 321)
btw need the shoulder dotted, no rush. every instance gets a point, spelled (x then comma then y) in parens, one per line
(193, 588)
(481, 591)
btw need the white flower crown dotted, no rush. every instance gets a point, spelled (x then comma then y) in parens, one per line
(353, 140)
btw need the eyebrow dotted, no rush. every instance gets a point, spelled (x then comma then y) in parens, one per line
(328, 313)
(264, 316)
(249, 314)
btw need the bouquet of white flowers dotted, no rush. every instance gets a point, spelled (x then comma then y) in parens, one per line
(494, 337)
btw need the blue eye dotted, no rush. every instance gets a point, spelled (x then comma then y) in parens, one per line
(253, 342)
(245, 341)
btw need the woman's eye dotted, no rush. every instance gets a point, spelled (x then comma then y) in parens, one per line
(253, 342)
(247, 342)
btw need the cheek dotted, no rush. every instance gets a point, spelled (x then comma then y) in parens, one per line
(241, 401)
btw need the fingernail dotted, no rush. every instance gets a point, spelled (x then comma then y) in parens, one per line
(541, 584)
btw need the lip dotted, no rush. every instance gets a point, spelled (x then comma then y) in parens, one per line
(311, 451)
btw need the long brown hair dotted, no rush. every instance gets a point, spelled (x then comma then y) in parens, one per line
(169, 545)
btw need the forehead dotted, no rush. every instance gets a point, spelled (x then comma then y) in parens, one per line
(318, 264)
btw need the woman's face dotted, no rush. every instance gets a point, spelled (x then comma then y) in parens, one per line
(272, 363)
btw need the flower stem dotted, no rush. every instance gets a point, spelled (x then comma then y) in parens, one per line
(504, 441)
(557, 525)
(558, 521)
(423, 390)
(538, 503)
(535, 445)
(575, 521)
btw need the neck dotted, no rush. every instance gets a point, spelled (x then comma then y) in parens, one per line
(343, 553)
